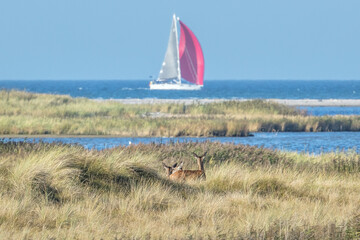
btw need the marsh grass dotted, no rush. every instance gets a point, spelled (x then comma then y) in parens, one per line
(67, 192)
(30, 114)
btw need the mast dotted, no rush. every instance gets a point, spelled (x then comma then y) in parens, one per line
(177, 48)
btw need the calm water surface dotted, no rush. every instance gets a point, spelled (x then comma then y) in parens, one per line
(321, 111)
(289, 141)
(227, 89)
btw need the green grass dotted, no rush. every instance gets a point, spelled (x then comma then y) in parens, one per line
(30, 114)
(55, 191)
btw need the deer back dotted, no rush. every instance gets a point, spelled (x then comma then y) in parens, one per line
(188, 175)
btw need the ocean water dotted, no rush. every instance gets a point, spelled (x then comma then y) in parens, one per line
(227, 89)
(316, 143)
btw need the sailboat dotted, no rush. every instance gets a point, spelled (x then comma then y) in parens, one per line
(183, 65)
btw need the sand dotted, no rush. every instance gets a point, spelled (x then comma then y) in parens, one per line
(289, 102)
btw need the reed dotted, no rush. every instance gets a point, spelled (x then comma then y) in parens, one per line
(29, 113)
(67, 192)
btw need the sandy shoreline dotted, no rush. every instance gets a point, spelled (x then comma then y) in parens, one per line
(289, 102)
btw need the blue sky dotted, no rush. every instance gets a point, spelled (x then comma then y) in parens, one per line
(113, 39)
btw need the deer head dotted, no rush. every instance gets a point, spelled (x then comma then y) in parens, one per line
(170, 169)
(200, 160)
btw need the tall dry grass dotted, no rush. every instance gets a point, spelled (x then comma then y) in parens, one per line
(29, 113)
(67, 192)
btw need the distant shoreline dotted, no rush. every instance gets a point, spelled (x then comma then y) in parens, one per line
(61, 136)
(288, 102)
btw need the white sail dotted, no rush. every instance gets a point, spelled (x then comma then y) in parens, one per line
(170, 68)
(176, 64)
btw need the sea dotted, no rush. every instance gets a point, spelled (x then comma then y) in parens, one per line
(226, 89)
(215, 89)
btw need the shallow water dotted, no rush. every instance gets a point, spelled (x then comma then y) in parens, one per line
(288, 141)
(321, 111)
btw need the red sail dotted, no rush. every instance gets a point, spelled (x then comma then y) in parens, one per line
(191, 56)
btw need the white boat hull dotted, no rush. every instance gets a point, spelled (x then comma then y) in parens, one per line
(168, 86)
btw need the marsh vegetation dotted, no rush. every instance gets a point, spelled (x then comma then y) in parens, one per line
(23, 113)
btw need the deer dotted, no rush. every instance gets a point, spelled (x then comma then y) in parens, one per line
(170, 169)
(179, 174)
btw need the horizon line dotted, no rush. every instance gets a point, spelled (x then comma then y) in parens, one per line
(292, 79)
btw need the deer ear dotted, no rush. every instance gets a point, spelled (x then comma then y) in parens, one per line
(195, 154)
(180, 166)
(174, 166)
(164, 165)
